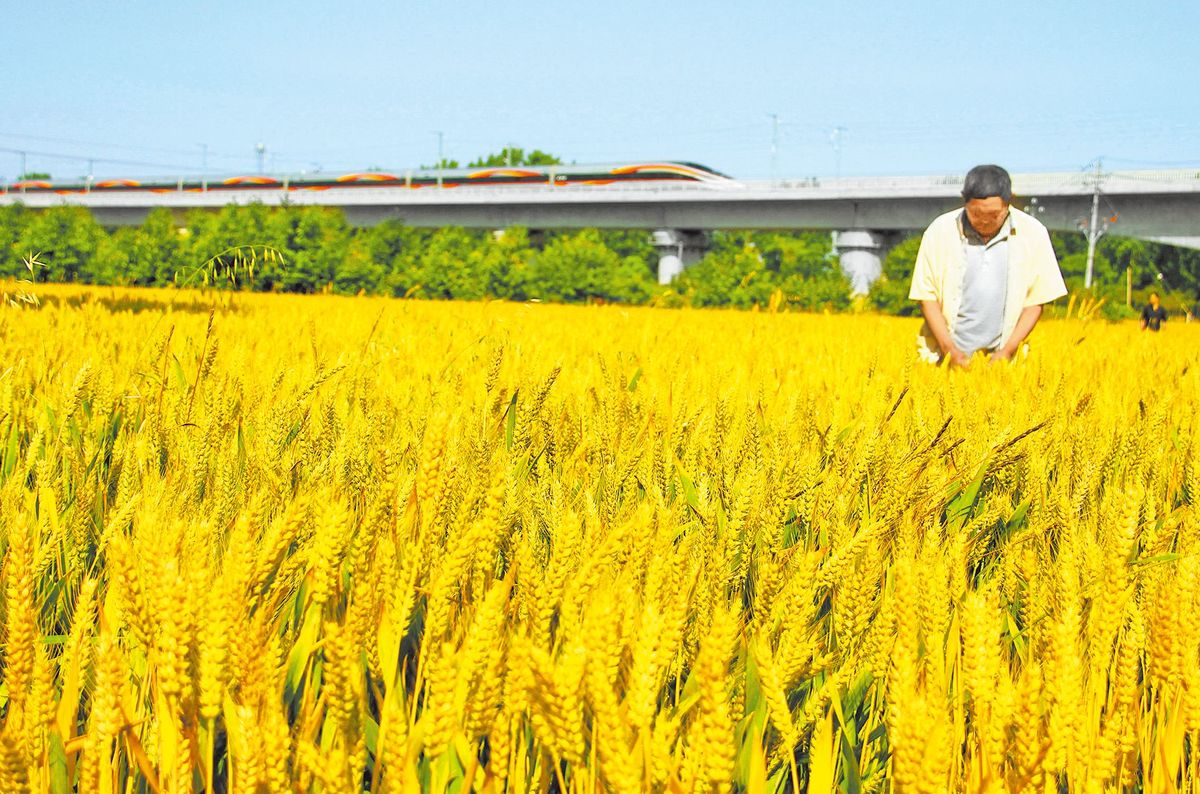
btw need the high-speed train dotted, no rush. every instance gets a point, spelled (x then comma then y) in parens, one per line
(552, 175)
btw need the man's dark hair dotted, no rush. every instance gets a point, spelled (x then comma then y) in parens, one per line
(985, 181)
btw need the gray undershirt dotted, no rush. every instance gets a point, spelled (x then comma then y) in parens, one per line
(980, 320)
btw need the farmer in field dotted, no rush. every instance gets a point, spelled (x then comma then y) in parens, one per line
(982, 274)
(1153, 314)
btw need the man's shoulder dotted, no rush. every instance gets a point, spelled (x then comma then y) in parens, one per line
(1023, 221)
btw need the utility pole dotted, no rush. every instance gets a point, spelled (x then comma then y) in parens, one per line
(261, 150)
(1094, 231)
(835, 138)
(774, 143)
(440, 159)
(24, 169)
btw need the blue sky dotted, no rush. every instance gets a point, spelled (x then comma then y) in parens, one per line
(919, 87)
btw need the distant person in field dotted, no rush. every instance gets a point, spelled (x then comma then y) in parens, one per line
(982, 274)
(1153, 314)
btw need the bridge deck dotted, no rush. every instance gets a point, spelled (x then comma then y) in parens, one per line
(1149, 204)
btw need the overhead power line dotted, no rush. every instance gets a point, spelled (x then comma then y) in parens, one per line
(96, 144)
(92, 159)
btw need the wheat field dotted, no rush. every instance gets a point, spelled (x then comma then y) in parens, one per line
(258, 543)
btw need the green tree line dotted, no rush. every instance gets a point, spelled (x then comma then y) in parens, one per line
(319, 251)
(314, 249)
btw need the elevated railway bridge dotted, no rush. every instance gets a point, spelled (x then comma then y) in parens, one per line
(866, 214)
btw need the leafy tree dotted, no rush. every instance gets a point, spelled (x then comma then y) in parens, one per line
(66, 239)
(785, 254)
(1127, 253)
(890, 293)
(13, 218)
(729, 275)
(581, 267)
(449, 264)
(219, 243)
(388, 241)
(155, 250)
(632, 242)
(1074, 270)
(512, 273)
(746, 268)
(317, 239)
(453, 265)
(359, 272)
(514, 156)
(1180, 268)
(109, 264)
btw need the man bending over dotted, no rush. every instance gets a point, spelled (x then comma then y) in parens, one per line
(982, 274)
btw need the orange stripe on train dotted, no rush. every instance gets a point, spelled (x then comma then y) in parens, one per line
(493, 172)
(652, 167)
(371, 176)
(250, 180)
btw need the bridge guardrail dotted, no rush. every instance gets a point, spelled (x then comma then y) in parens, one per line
(1028, 184)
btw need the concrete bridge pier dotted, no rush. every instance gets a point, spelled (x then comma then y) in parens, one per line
(677, 249)
(862, 252)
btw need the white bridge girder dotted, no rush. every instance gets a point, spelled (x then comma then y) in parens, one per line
(1153, 205)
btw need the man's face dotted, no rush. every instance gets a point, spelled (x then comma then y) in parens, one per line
(987, 214)
(1154, 301)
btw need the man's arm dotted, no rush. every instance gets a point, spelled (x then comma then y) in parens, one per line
(932, 311)
(1047, 284)
(1025, 323)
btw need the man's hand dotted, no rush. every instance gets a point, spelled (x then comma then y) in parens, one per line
(957, 357)
(1025, 322)
(932, 311)
(1002, 354)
